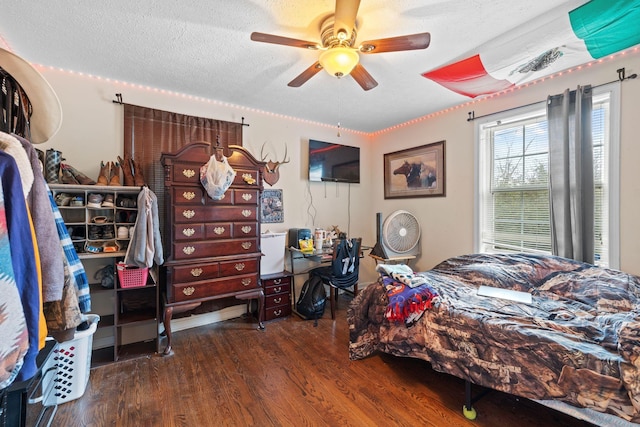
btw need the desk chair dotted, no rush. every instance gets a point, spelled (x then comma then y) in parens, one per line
(343, 271)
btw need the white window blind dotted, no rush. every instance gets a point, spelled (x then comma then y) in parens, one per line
(513, 181)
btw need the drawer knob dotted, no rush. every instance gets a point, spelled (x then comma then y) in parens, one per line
(188, 232)
(277, 281)
(277, 300)
(246, 229)
(188, 291)
(188, 250)
(247, 196)
(277, 290)
(196, 272)
(189, 213)
(218, 230)
(246, 282)
(248, 178)
(277, 312)
(188, 173)
(240, 266)
(247, 213)
(189, 195)
(246, 245)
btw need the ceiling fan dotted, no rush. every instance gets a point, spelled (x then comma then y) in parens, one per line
(339, 56)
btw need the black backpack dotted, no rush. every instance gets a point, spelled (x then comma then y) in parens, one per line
(312, 299)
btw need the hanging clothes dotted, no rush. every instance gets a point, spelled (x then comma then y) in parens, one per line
(14, 336)
(23, 258)
(71, 259)
(145, 245)
(47, 239)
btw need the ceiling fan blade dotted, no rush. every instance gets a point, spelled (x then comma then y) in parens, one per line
(363, 78)
(394, 44)
(305, 75)
(345, 16)
(270, 38)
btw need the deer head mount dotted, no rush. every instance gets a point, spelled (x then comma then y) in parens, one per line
(271, 173)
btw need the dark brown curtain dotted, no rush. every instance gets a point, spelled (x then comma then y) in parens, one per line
(148, 133)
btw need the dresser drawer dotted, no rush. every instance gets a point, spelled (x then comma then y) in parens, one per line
(185, 173)
(277, 289)
(183, 214)
(204, 249)
(283, 280)
(197, 272)
(218, 230)
(245, 229)
(189, 232)
(246, 197)
(204, 289)
(275, 300)
(246, 178)
(243, 266)
(277, 312)
(188, 195)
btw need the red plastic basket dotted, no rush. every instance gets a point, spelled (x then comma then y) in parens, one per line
(131, 276)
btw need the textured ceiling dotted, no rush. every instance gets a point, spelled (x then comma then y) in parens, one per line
(202, 48)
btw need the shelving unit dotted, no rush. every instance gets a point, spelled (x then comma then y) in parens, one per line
(129, 317)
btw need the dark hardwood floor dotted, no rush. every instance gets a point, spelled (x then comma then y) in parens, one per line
(292, 374)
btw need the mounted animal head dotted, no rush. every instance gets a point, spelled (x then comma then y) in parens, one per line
(271, 173)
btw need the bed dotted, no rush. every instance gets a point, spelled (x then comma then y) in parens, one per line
(576, 344)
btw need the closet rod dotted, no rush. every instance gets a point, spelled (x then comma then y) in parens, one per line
(621, 77)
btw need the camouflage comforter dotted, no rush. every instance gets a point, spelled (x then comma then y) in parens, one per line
(578, 342)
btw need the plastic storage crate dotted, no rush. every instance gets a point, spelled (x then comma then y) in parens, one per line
(131, 276)
(71, 363)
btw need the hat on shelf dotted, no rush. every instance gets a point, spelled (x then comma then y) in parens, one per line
(47, 112)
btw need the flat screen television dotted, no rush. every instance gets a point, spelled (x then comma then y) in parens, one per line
(333, 162)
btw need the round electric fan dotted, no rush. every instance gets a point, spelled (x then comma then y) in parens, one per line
(401, 233)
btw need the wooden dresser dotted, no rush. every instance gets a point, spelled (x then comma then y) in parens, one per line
(213, 247)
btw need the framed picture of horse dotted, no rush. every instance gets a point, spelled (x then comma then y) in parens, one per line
(415, 172)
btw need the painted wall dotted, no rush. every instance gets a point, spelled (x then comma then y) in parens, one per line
(447, 222)
(92, 131)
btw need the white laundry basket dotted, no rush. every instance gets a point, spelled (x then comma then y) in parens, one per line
(71, 363)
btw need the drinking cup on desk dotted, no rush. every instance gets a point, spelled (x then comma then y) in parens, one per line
(319, 241)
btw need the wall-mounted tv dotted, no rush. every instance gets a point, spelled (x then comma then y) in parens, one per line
(333, 162)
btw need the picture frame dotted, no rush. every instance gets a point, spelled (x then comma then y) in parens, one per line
(415, 172)
(271, 206)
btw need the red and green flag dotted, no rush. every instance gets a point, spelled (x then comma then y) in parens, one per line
(548, 44)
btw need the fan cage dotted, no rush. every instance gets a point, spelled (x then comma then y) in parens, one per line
(401, 232)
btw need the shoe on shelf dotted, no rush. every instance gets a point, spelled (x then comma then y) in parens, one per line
(107, 233)
(95, 200)
(108, 201)
(93, 248)
(95, 232)
(77, 176)
(62, 199)
(114, 173)
(123, 232)
(105, 173)
(67, 177)
(100, 219)
(127, 202)
(110, 246)
(77, 202)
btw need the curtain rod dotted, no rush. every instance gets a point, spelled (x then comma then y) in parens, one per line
(118, 100)
(621, 77)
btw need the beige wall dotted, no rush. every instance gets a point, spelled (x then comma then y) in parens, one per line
(447, 222)
(92, 131)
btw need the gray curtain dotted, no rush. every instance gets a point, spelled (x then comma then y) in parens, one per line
(571, 185)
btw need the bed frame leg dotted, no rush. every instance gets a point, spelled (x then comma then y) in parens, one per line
(468, 410)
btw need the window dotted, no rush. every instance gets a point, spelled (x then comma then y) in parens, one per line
(512, 202)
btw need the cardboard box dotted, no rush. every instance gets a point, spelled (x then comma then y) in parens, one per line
(273, 248)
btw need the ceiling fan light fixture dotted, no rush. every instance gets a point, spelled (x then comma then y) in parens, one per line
(339, 61)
